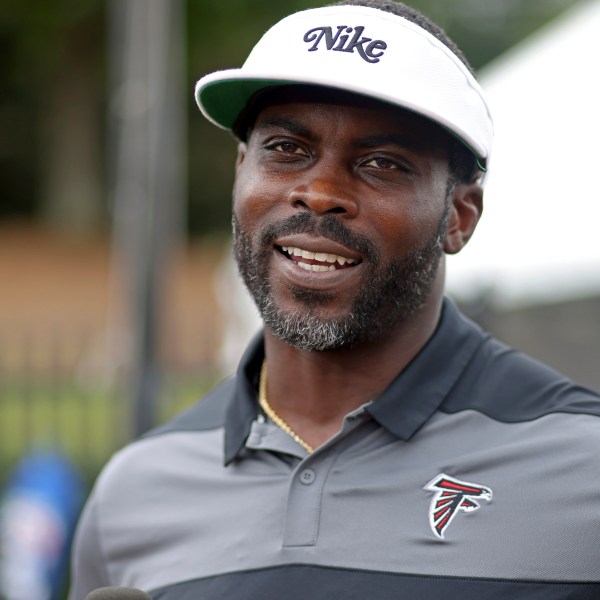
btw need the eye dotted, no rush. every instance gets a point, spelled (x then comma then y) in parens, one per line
(287, 148)
(384, 164)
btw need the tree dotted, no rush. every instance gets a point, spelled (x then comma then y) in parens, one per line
(52, 157)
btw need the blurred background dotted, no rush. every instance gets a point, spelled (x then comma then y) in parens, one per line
(119, 305)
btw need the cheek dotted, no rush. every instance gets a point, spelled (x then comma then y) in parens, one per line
(248, 195)
(256, 198)
(429, 206)
(404, 225)
(414, 208)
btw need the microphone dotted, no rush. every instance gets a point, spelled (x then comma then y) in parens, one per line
(117, 593)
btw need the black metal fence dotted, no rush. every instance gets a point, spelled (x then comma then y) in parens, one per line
(52, 398)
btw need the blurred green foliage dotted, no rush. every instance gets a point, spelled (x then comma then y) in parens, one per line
(86, 423)
(40, 42)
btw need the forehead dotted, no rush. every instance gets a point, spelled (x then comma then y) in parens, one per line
(360, 111)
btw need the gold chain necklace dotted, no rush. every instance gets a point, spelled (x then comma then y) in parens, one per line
(264, 404)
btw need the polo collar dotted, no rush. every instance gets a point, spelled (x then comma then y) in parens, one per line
(421, 387)
(408, 402)
(243, 406)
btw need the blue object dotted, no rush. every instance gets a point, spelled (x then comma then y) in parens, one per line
(38, 513)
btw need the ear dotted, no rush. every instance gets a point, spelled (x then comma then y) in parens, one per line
(241, 154)
(465, 210)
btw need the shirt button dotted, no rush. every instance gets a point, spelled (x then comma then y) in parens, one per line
(307, 476)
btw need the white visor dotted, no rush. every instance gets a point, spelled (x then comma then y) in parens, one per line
(362, 50)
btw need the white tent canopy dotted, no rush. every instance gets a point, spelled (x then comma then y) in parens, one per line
(539, 237)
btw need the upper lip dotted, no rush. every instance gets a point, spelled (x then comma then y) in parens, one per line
(317, 244)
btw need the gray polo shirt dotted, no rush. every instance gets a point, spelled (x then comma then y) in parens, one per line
(476, 474)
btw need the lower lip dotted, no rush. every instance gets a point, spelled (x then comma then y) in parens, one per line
(316, 280)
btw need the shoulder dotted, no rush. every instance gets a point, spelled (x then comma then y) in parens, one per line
(510, 385)
(193, 439)
(141, 484)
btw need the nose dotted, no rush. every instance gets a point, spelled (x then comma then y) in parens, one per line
(325, 194)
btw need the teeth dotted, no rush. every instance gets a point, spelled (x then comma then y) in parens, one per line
(316, 268)
(320, 256)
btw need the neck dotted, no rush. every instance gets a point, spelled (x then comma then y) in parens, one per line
(313, 391)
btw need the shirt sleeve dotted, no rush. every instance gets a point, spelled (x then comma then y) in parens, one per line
(88, 565)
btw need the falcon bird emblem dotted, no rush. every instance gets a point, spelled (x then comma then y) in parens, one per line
(452, 496)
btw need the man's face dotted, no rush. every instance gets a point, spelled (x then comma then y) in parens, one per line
(339, 218)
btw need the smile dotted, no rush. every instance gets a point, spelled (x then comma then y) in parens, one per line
(317, 261)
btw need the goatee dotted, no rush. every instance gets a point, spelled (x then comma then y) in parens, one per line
(392, 293)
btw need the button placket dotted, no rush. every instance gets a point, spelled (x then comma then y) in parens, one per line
(305, 497)
(307, 487)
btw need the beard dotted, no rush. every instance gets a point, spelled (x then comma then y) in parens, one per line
(390, 294)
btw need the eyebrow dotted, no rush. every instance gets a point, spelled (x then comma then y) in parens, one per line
(401, 140)
(290, 125)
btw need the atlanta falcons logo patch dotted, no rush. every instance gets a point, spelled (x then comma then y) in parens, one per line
(452, 496)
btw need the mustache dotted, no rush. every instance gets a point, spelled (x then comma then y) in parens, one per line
(327, 226)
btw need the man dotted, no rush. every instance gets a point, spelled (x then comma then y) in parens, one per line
(374, 443)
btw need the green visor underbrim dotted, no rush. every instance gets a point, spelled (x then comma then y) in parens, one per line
(223, 102)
